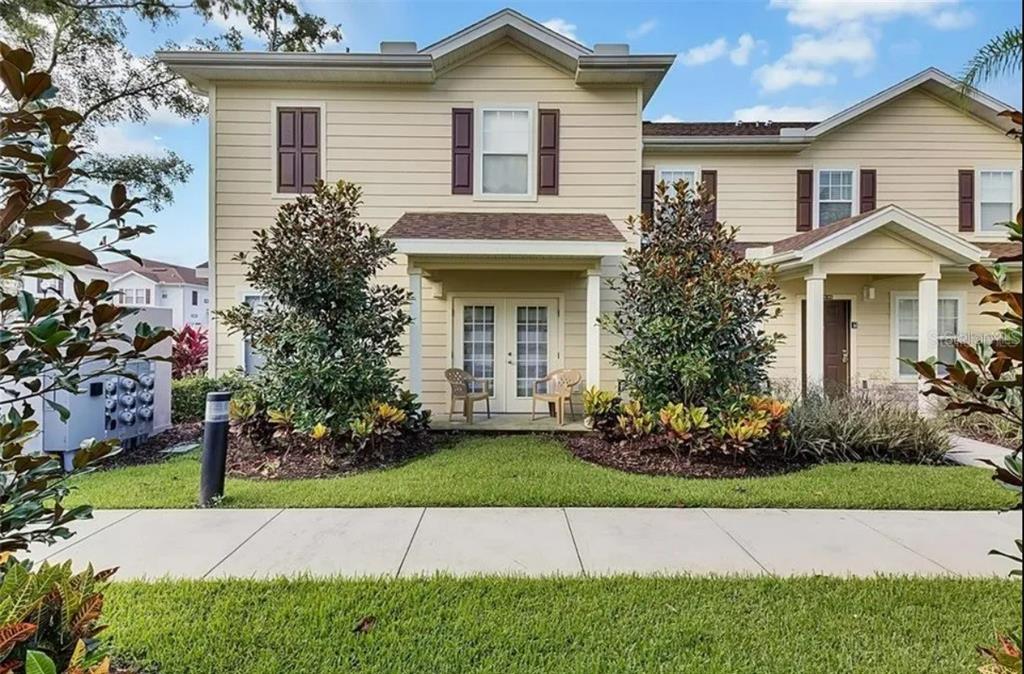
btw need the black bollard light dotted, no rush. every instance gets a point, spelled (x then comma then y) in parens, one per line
(215, 448)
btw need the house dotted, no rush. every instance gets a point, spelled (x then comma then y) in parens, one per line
(505, 158)
(161, 284)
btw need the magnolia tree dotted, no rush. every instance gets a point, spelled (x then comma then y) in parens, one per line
(54, 343)
(691, 311)
(326, 329)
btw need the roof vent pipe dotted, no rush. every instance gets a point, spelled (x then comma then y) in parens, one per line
(611, 49)
(397, 47)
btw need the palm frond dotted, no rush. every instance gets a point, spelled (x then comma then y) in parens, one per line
(1002, 55)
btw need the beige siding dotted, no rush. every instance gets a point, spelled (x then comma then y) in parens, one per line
(395, 142)
(916, 143)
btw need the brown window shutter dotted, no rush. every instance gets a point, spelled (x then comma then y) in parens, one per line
(287, 150)
(149, 296)
(547, 152)
(965, 201)
(647, 193)
(804, 200)
(309, 148)
(710, 181)
(298, 149)
(462, 150)
(868, 190)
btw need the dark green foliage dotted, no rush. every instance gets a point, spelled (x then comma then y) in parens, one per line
(864, 427)
(326, 329)
(690, 310)
(188, 395)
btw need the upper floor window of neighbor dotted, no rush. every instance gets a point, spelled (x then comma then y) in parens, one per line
(195, 297)
(505, 150)
(673, 176)
(136, 296)
(996, 199)
(835, 196)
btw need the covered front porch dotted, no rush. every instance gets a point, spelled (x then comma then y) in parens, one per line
(507, 311)
(863, 294)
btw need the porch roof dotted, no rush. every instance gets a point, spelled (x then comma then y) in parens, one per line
(808, 246)
(504, 233)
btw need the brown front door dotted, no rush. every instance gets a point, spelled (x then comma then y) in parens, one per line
(837, 346)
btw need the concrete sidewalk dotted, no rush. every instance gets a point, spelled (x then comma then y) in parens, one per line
(538, 541)
(971, 452)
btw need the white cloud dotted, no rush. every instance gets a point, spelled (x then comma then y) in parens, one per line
(952, 19)
(706, 53)
(846, 44)
(563, 27)
(824, 14)
(782, 75)
(125, 139)
(666, 119)
(740, 55)
(643, 29)
(783, 113)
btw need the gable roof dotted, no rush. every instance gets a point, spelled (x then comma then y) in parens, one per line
(796, 135)
(159, 272)
(807, 246)
(935, 82)
(604, 64)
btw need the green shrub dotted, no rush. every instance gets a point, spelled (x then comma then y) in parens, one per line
(52, 613)
(863, 426)
(690, 312)
(188, 395)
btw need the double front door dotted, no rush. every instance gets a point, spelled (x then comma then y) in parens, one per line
(509, 342)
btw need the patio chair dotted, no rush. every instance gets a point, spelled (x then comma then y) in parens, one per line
(461, 383)
(560, 387)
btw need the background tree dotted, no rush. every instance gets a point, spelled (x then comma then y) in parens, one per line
(1000, 56)
(57, 342)
(81, 45)
(690, 310)
(326, 329)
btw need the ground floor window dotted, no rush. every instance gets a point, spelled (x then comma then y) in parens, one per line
(906, 330)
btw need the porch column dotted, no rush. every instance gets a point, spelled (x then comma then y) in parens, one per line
(593, 329)
(415, 380)
(927, 331)
(814, 336)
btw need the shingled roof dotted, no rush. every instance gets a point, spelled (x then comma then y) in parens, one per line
(506, 226)
(160, 272)
(704, 129)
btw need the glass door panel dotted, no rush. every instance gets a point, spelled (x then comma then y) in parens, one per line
(531, 347)
(478, 332)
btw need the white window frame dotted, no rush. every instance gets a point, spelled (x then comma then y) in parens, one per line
(855, 192)
(136, 292)
(244, 295)
(298, 103)
(478, 152)
(998, 233)
(894, 327)
(659, 172)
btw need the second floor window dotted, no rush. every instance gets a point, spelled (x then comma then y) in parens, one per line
(505, 152)
(671, 176)
(195, 297)
(996, 202)
(136, 296)
(835, 196)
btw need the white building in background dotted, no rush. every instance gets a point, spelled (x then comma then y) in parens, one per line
(183, 290)
(161, 284)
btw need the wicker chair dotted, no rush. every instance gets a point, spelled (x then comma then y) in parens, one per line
(460, 382)
(560, 387)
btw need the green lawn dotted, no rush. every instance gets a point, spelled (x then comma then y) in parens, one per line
(530, 471)
(665, 625)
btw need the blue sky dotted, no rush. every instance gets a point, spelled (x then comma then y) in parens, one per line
(738, 59)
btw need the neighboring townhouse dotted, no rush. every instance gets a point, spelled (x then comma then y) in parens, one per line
(504, 160)
(161, 284)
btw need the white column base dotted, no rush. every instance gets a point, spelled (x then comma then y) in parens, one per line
(927, 334)
(415, 379)
(593, 329)
(814, 338)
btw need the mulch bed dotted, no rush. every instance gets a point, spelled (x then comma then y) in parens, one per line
(153, 449)
(652, 457)
(301, 462)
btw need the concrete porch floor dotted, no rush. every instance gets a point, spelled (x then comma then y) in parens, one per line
(507, 423)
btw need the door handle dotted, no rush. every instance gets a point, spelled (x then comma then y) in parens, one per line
(846, 356)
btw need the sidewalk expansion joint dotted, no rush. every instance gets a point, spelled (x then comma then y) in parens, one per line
(408, 547)
(239, 546)
(78, 539)
(736, 541)
(572, 537)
